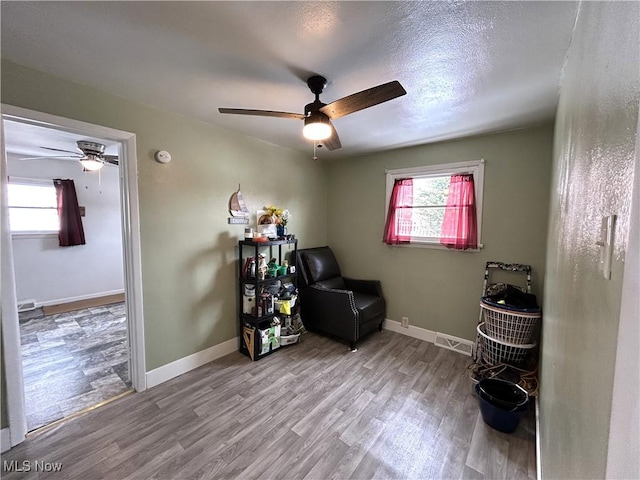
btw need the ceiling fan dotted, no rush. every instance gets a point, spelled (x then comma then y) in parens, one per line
(317, 115)
(92, 157)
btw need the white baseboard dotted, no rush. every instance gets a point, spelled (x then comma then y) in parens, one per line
(171, 370)
(59, 301)
(411, 331)
(419, 333)
(5, 440)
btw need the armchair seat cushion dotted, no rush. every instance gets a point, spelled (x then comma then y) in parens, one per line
(369, 306)
(335, 282)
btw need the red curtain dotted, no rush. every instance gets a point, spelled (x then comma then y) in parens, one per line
(71, 231)
(459, 227)
(398, 227)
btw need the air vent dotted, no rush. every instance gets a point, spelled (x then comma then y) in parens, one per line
(454, 343)
(26, 305)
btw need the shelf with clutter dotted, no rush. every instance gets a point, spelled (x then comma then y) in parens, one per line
(268, 307)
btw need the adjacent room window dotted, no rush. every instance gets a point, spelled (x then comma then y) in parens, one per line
(435, 206)
(32, 206)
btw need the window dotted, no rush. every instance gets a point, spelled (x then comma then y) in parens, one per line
(427, 203)
(32, 206)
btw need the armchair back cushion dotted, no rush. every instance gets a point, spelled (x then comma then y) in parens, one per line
(320, 264)
(320, 267)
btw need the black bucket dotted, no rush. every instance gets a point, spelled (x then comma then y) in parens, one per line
(502, 403)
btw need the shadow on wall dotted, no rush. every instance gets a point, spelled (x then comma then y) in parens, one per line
(212, 289)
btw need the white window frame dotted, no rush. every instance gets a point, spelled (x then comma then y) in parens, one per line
(40, 182)
(474, 167)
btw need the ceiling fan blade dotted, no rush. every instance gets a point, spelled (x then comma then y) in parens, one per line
(59, 150)
(333, 142)
(364, 99)
(51, 156)
(261, 113)
(110, 159)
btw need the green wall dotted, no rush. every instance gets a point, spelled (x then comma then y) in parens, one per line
(188, 249)
(592, 177)
(439, 290)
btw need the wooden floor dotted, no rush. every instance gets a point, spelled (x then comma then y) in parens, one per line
(72, 360)
(84, 304)
(396, 408)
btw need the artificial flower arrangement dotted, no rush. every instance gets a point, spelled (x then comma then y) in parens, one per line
(281, 217)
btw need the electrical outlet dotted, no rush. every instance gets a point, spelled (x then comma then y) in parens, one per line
(405, 322)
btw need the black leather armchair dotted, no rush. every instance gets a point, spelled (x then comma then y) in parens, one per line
(333, 304)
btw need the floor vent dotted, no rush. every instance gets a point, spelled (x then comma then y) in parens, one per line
(454, 343)
(26, 305)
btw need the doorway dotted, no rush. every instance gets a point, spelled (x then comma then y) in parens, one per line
(95, 323)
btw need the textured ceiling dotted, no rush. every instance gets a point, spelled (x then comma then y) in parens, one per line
(468, 67)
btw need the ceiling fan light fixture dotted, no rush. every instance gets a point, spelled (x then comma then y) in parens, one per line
(316, 126)
(92, 164)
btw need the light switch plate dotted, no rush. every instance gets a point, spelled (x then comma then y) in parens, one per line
(607, 230)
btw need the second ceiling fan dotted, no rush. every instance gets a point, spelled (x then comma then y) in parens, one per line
(317, 115)
(92, 156)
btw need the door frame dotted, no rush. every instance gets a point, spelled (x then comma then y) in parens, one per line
(131, 258)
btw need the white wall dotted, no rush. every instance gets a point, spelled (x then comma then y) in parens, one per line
(51, 274)
(593, 170)
(623, 459)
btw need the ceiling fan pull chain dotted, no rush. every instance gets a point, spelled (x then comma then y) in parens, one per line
(314, 151)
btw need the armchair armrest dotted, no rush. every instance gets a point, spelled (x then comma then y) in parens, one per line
(370, 287)
(330, 310)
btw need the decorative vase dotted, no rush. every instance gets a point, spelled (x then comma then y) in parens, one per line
(281, 230)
